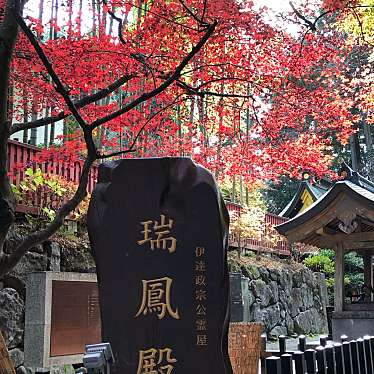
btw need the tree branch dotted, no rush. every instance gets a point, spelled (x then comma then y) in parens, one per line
(310, 24)
(55, 78)
(114, 154)
(196, 90)
(78, 104)
(8, 38)
(173, 77)
(9, 261)
(194, 16)
(87, 131)
(132, 146)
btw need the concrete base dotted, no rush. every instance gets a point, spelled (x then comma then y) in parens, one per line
(353, 324)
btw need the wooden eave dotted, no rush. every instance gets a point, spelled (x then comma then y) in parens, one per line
(346, 205)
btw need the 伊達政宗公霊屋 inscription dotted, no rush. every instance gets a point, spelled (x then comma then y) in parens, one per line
(201, 297)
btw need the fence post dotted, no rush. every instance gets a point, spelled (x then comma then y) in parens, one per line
(361, 356)
(347, 358)
(263, 350)
(371, 339)
(354, 353)
(286, 364)
(273, 365)
(321, 360)
(300, 367)
(323, 340)
(368, 354)
(282, 344)
(344, 338)
(263, 342)
(339, 358)
(302, 343)
(330, 358)
(310, 359)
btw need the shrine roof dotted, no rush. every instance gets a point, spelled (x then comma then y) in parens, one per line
(346, 208)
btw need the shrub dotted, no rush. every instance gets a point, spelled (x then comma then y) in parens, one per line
(52, 191)
(320, 263)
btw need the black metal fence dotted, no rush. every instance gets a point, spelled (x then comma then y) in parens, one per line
(347, 357)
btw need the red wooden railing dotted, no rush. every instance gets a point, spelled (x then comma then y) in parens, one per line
(282, 246)
(21, 154)
(26, 155)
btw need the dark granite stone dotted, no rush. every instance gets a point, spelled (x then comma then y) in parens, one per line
(133, 191)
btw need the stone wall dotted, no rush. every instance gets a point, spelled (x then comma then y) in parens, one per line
(286, 300)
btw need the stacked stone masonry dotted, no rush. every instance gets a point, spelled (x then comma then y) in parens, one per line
(287, 301)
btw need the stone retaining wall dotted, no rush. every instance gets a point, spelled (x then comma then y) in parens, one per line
(287, 301)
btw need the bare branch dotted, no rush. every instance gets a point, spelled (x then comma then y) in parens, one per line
(172, 78)
(78, 104)
(198, 92)
(114, 154)
(310, 24)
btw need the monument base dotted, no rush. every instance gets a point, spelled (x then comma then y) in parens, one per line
(354, 324)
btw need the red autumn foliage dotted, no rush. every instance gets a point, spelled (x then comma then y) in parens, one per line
(251, 102)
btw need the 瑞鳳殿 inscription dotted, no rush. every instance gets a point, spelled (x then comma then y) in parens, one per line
(158, 229)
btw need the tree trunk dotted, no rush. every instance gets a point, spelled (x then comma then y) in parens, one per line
(8, 36)
(25, 114)
(46, 129)
(33, 132)
(355, 152)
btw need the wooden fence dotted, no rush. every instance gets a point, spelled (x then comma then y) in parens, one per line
(281, 247)
(21, 156)
(347, 357)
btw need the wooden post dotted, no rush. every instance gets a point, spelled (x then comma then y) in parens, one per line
(300, 366)
(347, 358)
(282, 344)
(339, 277)
(368, 354)
(286, 364)
(302, 343)
(323, 340)
(361, 356)
(321, 360)
(273, 365)
(310, 359)
(330, 359)
(355, 359)
(368, 278)
(6, 365)
(339, 358)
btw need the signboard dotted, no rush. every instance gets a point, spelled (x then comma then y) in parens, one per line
(158, 230)
(62, 315)
(75, 317)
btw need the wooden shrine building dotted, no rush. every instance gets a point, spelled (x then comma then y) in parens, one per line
(342, 219)
(306, 194)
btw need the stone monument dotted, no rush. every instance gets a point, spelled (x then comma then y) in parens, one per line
(159, 231)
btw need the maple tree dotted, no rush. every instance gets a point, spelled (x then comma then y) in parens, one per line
(207, 79)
